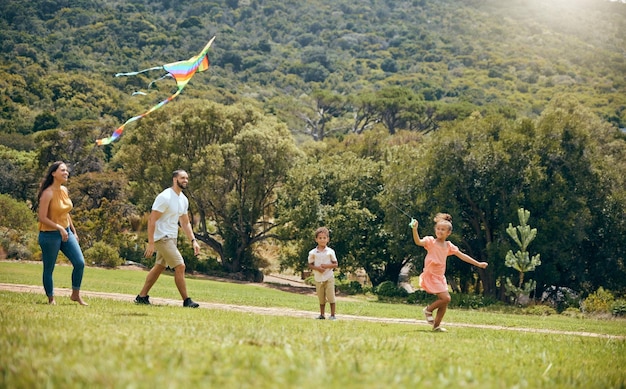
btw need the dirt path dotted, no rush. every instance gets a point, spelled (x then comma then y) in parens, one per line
(291, 312)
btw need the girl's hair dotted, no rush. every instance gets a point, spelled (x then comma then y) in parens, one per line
(322, 230)
(48, 178)
(443, 218)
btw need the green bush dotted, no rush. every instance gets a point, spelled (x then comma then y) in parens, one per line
(390, 289)
(572, 312)
(420, 297)
(598, 302)
(619, 308)
(18, 245)
(101, 254)
(351, 288)
(16, 214)
(473, 301)
(131, 252)
(539, 310)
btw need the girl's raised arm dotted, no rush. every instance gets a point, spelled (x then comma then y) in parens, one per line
(416, 236)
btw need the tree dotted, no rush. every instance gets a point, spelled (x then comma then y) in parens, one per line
(391, 104)
(17, 173)
(579, 194)
(467, 170)
(16, 215)
(337, 189)
(521, 261)
(73, 144)
(327, 106)
(365, 115)
(236, 159)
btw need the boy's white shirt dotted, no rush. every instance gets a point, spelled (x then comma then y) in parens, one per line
(322, 257)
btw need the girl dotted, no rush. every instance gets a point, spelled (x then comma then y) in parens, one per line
(56, 230)
(433, 279)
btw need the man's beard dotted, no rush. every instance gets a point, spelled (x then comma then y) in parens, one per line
(181, 185)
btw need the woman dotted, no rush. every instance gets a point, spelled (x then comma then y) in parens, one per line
(56, 230)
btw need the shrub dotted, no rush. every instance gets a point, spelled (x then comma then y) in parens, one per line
(101, 254)
(619, 308)
(17, 244)
(390, 289)
(473, 301)
(132, 252)
(560, 298)
(598, 302)
(539, 310)
(419, 297)
(573, 312)
(351, 288)
(16, 214)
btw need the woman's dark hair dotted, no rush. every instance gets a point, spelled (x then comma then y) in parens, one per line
(48, 179)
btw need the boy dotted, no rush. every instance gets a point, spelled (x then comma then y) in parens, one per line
(322, 260)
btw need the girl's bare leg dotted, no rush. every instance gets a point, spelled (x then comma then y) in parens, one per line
(441, 305)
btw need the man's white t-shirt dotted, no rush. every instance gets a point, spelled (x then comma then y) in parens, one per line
(172, 206)
(322, 257)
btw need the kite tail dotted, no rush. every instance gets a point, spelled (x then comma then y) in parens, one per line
(159, 79)
(139, 72)
(118, 132)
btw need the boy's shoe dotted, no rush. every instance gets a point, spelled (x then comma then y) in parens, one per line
(142, 300)
(320, 317)
(332, 317)
(189, 303)
(429, 315)
(440, 329)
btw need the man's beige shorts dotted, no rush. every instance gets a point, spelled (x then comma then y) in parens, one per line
(167, 253)
(326, 291)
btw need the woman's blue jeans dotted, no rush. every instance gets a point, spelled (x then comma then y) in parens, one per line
(51, 243)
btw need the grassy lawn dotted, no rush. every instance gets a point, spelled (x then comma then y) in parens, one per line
(115, 344)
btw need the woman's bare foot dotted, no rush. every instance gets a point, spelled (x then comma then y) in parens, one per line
(76, 297)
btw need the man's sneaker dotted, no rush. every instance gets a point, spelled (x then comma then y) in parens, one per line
(142, 300)
(332, 317)
(440, 329)
(321, 317)
(189, 303)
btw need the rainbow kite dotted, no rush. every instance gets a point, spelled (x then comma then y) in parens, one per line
(181, 71)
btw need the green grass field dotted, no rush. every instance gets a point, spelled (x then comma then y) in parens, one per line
(116, 344)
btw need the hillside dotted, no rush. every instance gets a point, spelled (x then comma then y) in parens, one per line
(59, 57)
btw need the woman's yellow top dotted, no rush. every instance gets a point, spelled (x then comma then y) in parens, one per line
(58, 209)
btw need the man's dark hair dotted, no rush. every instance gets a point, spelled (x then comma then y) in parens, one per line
(177, 172)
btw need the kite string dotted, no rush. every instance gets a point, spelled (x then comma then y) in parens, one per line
(391, 202)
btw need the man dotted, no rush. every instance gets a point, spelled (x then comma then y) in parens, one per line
(169, 208)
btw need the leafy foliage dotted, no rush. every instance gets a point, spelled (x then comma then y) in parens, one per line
(102, 254)
(599, 301)
(481, 126)
(15, 214)
(523, 235)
